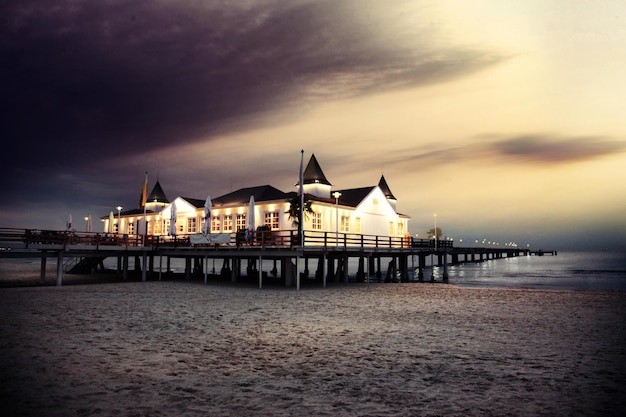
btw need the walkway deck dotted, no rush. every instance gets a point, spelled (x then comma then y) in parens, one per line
(329, 251)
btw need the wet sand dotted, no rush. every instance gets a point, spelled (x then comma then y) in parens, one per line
(187, 349)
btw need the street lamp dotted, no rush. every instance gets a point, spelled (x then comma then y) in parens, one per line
(87, 224)
(119, 212)
(436, 237)
(336, 194)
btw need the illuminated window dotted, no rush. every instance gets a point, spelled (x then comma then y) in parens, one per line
(241, 222)
(215, 224)
(400, 229)
(316, 221)
(158, 227)
(345, 224)
(228, 224)
(357, 224)
(131, 228)
(166, 225)
(375, 201)
(192, 225)
(391, 229)
(271, 220)
(149, 228)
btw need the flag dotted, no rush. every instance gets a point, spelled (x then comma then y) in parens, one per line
(144, 192)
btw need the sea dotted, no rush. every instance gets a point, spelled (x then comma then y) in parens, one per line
(601, 270)
(573, 270)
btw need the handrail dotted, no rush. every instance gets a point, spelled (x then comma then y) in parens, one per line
(262, 237)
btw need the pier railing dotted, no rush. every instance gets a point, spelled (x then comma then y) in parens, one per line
(33, 238)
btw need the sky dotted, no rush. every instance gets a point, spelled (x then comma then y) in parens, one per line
(504, 118)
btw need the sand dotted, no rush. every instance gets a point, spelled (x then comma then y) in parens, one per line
(182, 348)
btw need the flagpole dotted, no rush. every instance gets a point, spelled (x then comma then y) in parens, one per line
(144, 199)
(301, 199)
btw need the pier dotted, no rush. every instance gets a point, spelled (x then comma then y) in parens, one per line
(323, 259)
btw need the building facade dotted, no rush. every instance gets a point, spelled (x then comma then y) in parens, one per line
(367, 210)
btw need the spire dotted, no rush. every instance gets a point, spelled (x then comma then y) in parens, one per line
(385, 188)
(313, 173)
(157, 194)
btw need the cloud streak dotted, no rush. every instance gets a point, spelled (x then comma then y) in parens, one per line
(535, 149)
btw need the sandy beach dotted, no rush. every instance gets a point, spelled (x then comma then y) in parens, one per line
(188, 349)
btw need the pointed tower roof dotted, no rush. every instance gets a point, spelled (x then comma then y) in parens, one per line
(313, 173)
(157, 195)
(385, 188)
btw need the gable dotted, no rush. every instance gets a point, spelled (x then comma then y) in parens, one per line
(183, 208)
(375, 202)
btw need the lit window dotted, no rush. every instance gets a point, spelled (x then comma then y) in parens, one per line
(241, 222)
(357, 224)
(228, 224)
(192, 225)
(391, 229)
(215, 224)
(345, 224)
(271, 220)
(400, 229)
(158, 227)
(316, 221)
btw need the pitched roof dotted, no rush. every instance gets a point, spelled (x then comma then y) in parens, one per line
(157, 194)
(242, 196)
(385, 188)
(313, 173)
(354, 196)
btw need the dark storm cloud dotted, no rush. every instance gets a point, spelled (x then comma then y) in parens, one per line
(90, 81)
(151, 72)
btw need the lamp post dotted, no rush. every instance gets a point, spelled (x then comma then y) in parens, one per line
(336, 194)
(119, 213)
(436, 237)
(87, 224)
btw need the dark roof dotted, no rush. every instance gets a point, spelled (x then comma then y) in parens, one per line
(197, 203)
(242, 196)
(129, 213)
(313, 173)
(353, 196)
(385, 188)
(157, 195)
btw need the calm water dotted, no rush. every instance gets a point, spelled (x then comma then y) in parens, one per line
(566, 271)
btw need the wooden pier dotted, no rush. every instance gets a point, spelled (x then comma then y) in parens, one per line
(323, 258)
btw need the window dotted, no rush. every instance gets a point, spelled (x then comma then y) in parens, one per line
(400, 229)
(166, 224)
(316, 221)
(345, 224)
(271, 220)
(192, 225)
(180, 227)
(241, 222)
(131, 228)
(391, 229)
(215, 224)
(357, 224)
(228, 224)
(158, 227)
(150, 227)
